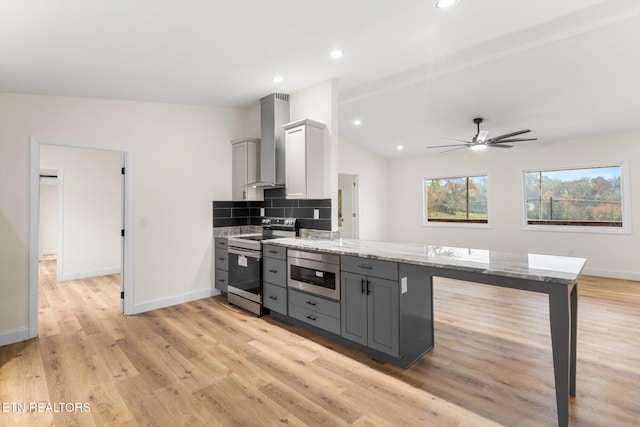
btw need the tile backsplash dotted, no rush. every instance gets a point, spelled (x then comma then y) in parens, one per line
(275, 204)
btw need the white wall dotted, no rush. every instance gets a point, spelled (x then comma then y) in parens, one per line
(48, 216)
(182, 163)
(92, 209)
(373, 192)
(612, 255)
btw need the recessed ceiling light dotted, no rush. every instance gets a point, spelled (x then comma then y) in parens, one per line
(400, 147)
(444, 4)
(357, 122)
(336, 53)
(278, 79)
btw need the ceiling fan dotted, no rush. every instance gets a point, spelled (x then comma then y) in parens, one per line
(480, 141)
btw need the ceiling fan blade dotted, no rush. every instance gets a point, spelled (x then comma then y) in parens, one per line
(508, 135)
(514, 140)
(457, 140)
(499, 146)
(453, 149)
(450, 145)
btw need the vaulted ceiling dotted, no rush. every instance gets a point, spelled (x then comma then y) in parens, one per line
(411, 73)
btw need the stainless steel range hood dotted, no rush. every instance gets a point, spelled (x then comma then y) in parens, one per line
(274, 112)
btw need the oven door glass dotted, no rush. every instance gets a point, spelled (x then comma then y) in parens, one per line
(245, 270)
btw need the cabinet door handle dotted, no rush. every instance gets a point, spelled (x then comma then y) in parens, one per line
(312, 318)
(311, 303)
(222, 280)
(366, 267)
(368, 290)
(272, 251)
(273, 298)
(221, 258)
(273, 271)
(362, 286)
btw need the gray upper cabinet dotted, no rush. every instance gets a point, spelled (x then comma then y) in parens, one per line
(246, 169)
(371, 305)
(304, 160)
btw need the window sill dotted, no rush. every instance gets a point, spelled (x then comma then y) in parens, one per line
(577, 229)
(457, 224)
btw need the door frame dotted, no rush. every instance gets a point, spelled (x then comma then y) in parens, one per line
(127, 263)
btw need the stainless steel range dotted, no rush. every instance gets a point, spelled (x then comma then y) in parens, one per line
(245, 262)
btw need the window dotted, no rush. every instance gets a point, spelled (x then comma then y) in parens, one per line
(456, 199)
(574, 197)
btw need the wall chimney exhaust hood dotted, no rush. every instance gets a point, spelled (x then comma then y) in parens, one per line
(274, 112)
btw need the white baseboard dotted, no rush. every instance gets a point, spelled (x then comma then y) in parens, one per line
(614, 274)
(13, 336)
(174, 300)
(92, 273)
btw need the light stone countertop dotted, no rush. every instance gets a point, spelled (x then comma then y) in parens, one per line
(543, 268)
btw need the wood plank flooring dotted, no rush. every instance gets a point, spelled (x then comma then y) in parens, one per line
(208, 363)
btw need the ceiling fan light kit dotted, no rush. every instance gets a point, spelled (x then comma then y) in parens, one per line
(444, 4)
(480, 141)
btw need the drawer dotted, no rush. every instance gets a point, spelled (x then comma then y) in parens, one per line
(222, 259)
(274, 298)
(314, 318)
(222, 243)
(274, 271)
(370, 267)
(317, 304)
(271, 251)
(222, 280)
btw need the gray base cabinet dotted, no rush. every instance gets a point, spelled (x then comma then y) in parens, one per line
(274, 278)
(371, 312)
(314, 310)
(221, 262)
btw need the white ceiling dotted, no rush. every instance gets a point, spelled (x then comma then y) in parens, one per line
(411, 73)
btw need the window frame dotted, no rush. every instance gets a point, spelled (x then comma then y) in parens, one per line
(625, 194)
(455, 223)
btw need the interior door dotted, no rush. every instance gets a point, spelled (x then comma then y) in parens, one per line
(348, 205)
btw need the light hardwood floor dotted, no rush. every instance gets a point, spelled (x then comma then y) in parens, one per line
(208, 363)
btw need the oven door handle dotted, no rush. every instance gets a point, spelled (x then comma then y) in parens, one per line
(256, 255)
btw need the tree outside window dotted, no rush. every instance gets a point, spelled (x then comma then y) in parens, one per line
(581, 197)
(456, 199)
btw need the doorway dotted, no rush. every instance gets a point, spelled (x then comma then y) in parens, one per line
(77, 263)
(348, 206)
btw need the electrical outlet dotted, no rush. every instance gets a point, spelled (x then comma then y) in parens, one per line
(316, 214)
(261, 211)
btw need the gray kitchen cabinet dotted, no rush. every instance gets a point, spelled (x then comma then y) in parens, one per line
(314, 310)
(274, 278)
(221, 262)
(371, 311)
(246, 169)
(304, 160)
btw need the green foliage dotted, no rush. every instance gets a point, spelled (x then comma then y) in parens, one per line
(562, 197)
(457, 198)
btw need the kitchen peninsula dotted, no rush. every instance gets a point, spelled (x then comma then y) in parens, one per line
(556, 276)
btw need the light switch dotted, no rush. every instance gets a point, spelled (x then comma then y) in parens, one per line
(316, 214)
(142, 221)
(261, 211)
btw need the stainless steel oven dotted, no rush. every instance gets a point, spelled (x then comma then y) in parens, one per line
(313, 272)
(245, 272)
(245, 262)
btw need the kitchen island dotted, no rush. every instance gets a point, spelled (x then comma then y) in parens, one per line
(555, 276)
